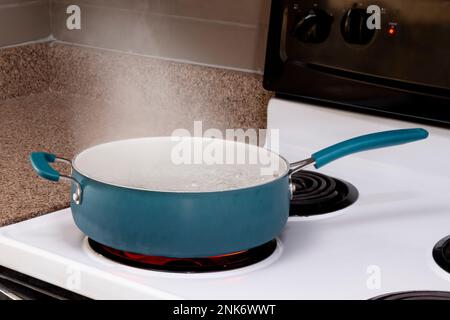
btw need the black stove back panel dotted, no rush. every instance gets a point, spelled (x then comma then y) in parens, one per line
(325, 50)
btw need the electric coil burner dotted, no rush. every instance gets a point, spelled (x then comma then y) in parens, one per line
(188, 265)
(441, 253)
(317, 194)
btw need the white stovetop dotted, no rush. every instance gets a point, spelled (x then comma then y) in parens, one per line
(381, 244)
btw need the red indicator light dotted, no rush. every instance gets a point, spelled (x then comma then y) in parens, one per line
(392, 31)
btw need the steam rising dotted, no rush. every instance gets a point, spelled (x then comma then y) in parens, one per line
(116, 96)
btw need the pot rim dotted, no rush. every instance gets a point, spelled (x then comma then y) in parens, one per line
(281, 176)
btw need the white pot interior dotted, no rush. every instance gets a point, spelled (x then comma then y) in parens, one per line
(175, 164)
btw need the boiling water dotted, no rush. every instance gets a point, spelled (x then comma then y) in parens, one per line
(160, 164)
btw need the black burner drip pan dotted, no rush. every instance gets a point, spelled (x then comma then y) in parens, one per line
(317, 194)
(441, 254)
(416, 295)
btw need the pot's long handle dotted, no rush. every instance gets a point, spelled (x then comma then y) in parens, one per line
(359, 144)
(41, 164)
(367, 142)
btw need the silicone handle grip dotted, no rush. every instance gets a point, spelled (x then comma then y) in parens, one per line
(367, 142)
(40, 162)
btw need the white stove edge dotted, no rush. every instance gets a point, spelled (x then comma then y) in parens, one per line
(67, 273)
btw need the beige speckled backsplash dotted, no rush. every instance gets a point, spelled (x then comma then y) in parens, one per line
(24, 70)
(221, 98)
(174, 93)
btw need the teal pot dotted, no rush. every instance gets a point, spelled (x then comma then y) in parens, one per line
(133, 195)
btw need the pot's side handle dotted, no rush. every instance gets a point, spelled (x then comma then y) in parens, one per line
(41, 164)
(367, 142)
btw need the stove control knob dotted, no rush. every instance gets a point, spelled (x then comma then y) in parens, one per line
(354, 27)
(314, 27)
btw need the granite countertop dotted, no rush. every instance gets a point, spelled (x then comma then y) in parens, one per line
(30, 124)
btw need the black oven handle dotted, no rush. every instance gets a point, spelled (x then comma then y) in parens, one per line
(17, 286)
(377, 81)
(7, 294)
